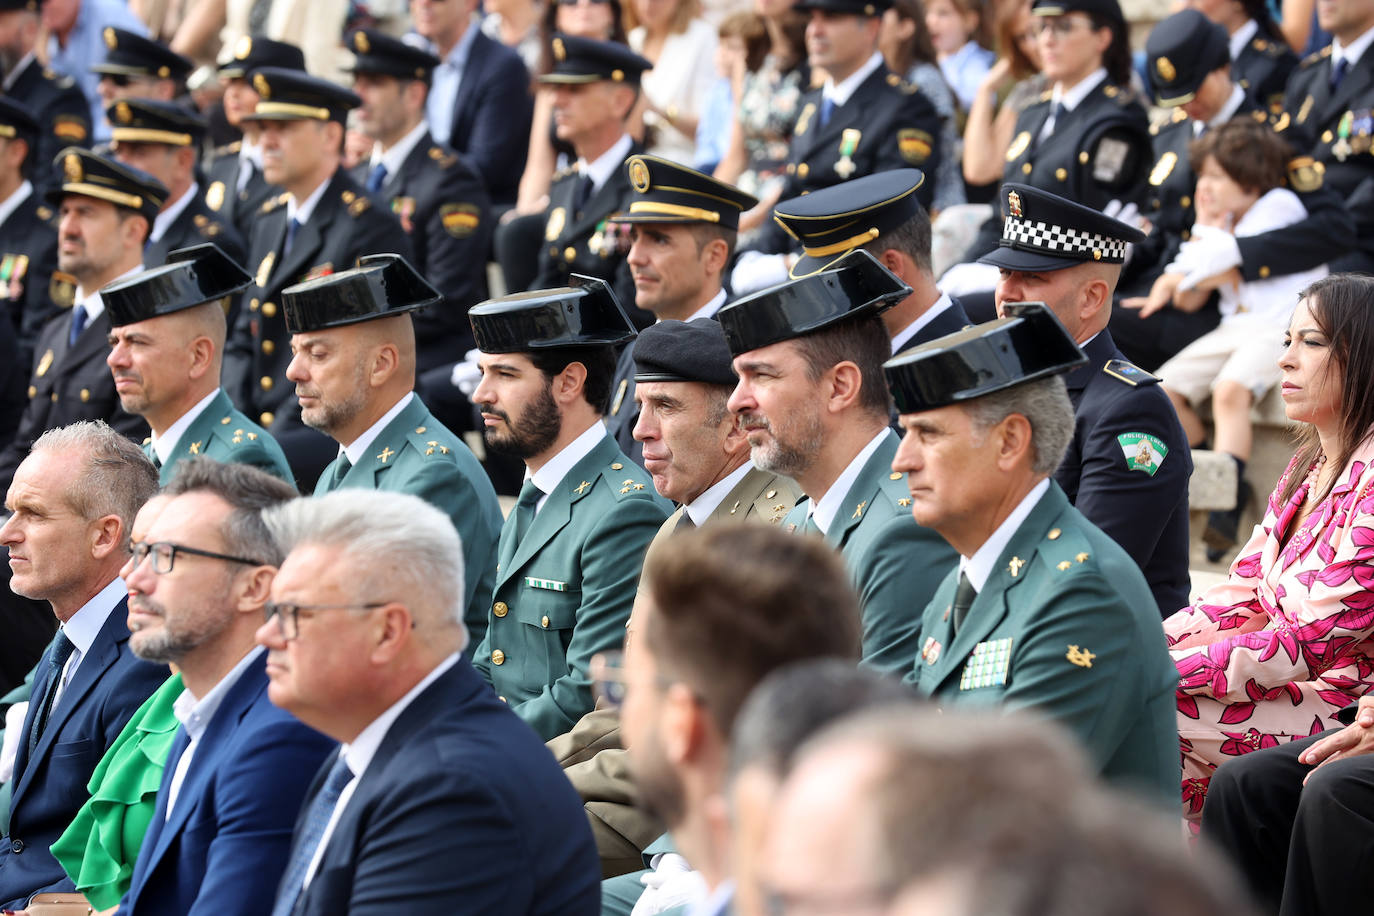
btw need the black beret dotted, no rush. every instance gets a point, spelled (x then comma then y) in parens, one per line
(149, 121)
(378, 52)
(92, 175)
(130, 54)
(834, 221)
(684, 351)
(1028, 344)
(1041, 231)
(665, 192)
(856, 285)
(192, 276)
(1181, 51)
(585, 60)
(586, 314)
(254, 51)
(294, 95)
(380, 286)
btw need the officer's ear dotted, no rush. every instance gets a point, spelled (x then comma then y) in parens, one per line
(1014, 442)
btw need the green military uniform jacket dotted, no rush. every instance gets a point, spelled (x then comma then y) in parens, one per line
(895, 564)
(1065, 625)
(224, 434)
(564, 591)
(592, 755)
(416, 454)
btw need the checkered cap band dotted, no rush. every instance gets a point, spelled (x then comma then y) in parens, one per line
(1032, 235)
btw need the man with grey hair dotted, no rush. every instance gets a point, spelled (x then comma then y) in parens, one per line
(239, 766)
(440, 793)
(1044, 610)
(71, 503)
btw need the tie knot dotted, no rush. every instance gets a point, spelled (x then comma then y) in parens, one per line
(62, 649)
(339, 776)
(530, 494)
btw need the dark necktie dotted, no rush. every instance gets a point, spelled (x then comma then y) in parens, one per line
(684, 524)
(62, 649)
(291, 229)
(377, 177)
(524, 510)
(1338, 74)
(341, 468)
(827, 109)
(584, 191)
(78, 324)
(963, 600)
(312, 831)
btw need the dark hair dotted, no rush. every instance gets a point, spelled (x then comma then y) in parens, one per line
(919, 49)
(748, 26)
(911, 238)
(1258, 10)
(1247, 150)
(245, 488)
(1341, 306)
(732, 603)
(548, 26)
(864, 342)
(1117, 58)
(705, 233)
(600, 363)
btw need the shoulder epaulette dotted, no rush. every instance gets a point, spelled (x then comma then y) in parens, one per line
(442, 156)
(424, 441)
(626, 479)
(228, 149)
(1129, 373)
(273, 203)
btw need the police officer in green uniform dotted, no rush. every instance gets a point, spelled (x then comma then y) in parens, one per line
(572, 547)
(164, 140)
(354, 371)
(166, 343)
(812, 402)
(55, 100)
(1045, 611)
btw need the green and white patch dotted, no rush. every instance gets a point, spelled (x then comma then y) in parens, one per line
(1143, 452)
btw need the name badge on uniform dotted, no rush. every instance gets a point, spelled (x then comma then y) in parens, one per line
(551, 585)
(987, 665)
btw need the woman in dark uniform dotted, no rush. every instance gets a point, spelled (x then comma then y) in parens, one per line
(1260, 57)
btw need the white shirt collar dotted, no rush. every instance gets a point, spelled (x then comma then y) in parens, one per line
(252, 152)
(901, 337)
(195, 714)
(556, 468)
(1353, 51)
(395, 157)
(301, 212)
(165, 445)
(1241, 37)
(606, 165)
(979, 566)
(710, 308)
(12, 202)
(700, 509)
(163, 221)
(839, 93)
(84, 626)
(359, 752)
(823, 512)
(357, 449)
(92, 302)
(1070, 98)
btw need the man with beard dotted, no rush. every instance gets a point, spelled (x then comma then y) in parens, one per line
(716, 614)
(353, 364)
(239, 767)
(106, 210)
(55, 101)
(813, 403)
(166, 341)
(572, 548)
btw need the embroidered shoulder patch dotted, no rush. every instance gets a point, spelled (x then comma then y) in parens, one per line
(1143, 452)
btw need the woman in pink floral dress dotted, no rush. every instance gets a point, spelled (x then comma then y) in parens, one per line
(1271, 654)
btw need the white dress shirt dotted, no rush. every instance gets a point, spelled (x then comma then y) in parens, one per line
(823, 511)
(700, 509)
(301, 211)
(165, 445)
(556, 468)
(84, 626)
(1071, 98)
(357, 449)
(911, 330)
(607, 164)
(979, 566)
(92, 303)
(839, 93)
(395, 157)
(163, 221)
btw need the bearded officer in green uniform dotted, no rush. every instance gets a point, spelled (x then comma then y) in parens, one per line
(812, 401)
(572, 547)
(353, 365)
(1045, 611)
(167, 330)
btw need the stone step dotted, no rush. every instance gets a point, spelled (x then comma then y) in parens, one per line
(1213, 484)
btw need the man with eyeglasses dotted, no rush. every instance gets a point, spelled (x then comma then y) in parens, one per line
(166, 339)
(716, 614)
(440, 799)
(239, 766)
(71, 503)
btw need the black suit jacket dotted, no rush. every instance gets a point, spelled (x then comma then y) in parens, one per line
(28, 245)
(462, 809)
(491, 116)
(439, 198)
(194, 225)
(1262, 69)
(59, 106)
(221, 196)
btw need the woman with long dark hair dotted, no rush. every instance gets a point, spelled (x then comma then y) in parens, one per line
(1260, 56)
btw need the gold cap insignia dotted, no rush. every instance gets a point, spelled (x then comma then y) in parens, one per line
(123, 114)
(260, 84)
(164, 72)
(243, 47)
(618, 76)
(1014, 204)
(559, 51)
(71, 167)
(111, 39)
(1165, 68)
(639, 175)
(360, 43)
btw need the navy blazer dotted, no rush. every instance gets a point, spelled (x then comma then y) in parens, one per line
(231, 828)
(109, 686)
(462, 810)
(492, 110)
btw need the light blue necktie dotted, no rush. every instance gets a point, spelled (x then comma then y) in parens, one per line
(827, 109)
(316, 820)
(78, 324)
(377, 177)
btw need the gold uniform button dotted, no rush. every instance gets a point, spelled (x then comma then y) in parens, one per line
(85, 395)
(895, 475)
(266, 417)
(498, 657)
(803, 170)
(1025, 168)
(500, 609)
(1054, 534)
(569, 253)
(1326, 136)
(617, 466)
(32, 391)
(266, 382)
(1083, 157)
(54, 397)
(268, 347)
(254, 305)
(1185, 201)
(544, 621)
(269, 309)
(1061, 174)
(1264, 271)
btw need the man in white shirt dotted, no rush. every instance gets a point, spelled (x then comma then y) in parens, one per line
(811, 401)
(440, 797)
(239, 766)
(71, 503)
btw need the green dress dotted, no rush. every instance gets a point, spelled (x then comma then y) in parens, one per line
(99, 848)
